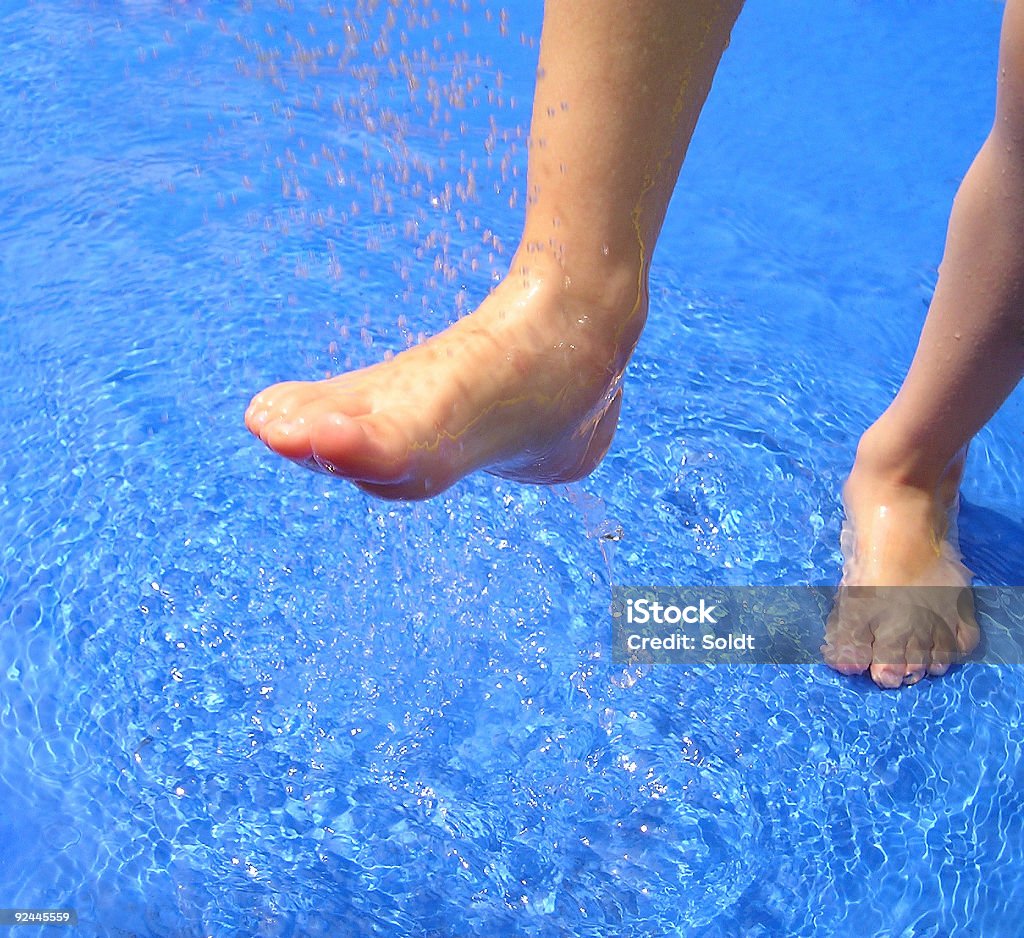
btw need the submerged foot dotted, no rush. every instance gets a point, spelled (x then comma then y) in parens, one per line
(904, 608)
(528, 387)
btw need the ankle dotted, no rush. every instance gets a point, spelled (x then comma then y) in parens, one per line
(891, 457)
(604, 304)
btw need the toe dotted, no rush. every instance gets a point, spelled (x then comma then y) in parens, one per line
(258, 412)
(889, 650)
(847, 658)
(273, 403)
(848, 635)
(365, 449)
(944, 651)
(288, 437)
(255, 416)
(968, 634)
(919, 657)
(888, 674)
(914, 673)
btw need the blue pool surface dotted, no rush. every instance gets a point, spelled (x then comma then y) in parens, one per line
(237, 698)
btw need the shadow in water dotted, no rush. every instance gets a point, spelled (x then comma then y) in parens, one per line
(992, 544)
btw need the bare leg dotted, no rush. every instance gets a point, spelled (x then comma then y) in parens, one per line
(529, 385)
(901, 495)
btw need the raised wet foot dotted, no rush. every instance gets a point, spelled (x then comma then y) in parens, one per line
(527, 387)
(904, 608)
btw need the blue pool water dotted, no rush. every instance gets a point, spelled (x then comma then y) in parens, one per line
(240, 699)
